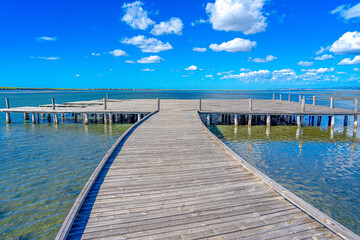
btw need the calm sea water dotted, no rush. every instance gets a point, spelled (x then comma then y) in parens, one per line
(44, 167)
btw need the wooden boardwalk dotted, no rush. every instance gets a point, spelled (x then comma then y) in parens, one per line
(169, 179)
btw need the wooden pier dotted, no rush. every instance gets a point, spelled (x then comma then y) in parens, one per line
(169, 177)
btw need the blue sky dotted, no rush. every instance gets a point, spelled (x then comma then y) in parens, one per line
(213, 44)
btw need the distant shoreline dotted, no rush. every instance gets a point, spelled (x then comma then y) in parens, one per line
(151, 89)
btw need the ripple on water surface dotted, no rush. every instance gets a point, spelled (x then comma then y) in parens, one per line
(43, 169)
(321, 167)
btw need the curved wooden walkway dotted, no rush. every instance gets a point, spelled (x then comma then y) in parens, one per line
(171, 180)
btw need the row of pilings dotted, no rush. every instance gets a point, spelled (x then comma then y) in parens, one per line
(85, 118)
(271, 120)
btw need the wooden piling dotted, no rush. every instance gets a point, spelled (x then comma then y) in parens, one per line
(199, 104)
(208, 120)
(105, 104)
(318, 121)
(299, 120)
(299, 98)
(86, 118)
(8, 117)
(302, 105)
(355, 121)
(280, 97)
(332, 102)
(158, 104)
(236, 120)
(250, 104)
(314, 100)
(105, 118)
(289, 98)
(33, 118)
(345, 120)
(55, 118)
(38, 118)
(26, 117)
(138, 117)
(43, 115)
(273, 96)
(110, 118)
(249, 120)
(332, 121)
(53, 103)
(268, 120)
(356, 104)
(107, 96)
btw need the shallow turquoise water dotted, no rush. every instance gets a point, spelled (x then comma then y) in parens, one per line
(44, 167)
(321, 167)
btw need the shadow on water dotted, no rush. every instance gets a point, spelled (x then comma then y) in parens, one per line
(83, 216)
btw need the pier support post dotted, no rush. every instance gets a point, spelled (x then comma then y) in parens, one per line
(38, 118)
(199, 104)
(105, 118)
(110, 118)
(249, 120)
(268, 120)
(314, 100)
(299, 98)
(302, 105)
(356, 104)
(138, 117)
(332, 102)
(318, 121)
(273, 96)
(43, 115)
(280, 97)
(107, 96)
(208, 120)
(345, 121)
(236, 123)
(86, 118)
(33, 118)
(26, 117)
(289, 98)
(8, 117)
(55, 118)
(332, 122)
(299, 120)
(53, 103)
(355, 121)
(158, 104)
(105, 104)
(250, 104)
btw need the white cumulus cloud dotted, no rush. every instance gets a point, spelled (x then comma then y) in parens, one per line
(136, 16)
(269, 58)
(118, 53)
(305, 63)
(246, 75)
(173, 26)
(324, 57)
(347, 12)
(356, 69)
(235, 45)
(237, 15)
(48, 58)
(245, 70)
(349, 43)
(319, 70)
(348, 61)
(198, 49)
(191, 68)
(147, 70)
(129, 61)
(151, 59)
(151, 45)
(209, 76)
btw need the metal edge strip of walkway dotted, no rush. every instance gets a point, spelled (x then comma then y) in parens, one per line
(313, 212)
(69, 220)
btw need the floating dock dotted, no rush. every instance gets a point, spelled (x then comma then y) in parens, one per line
(169, 177)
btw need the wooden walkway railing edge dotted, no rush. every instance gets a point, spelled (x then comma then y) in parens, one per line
(313, 212)
(69, 220)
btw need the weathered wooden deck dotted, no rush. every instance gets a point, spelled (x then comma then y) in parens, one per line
(169, 178)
